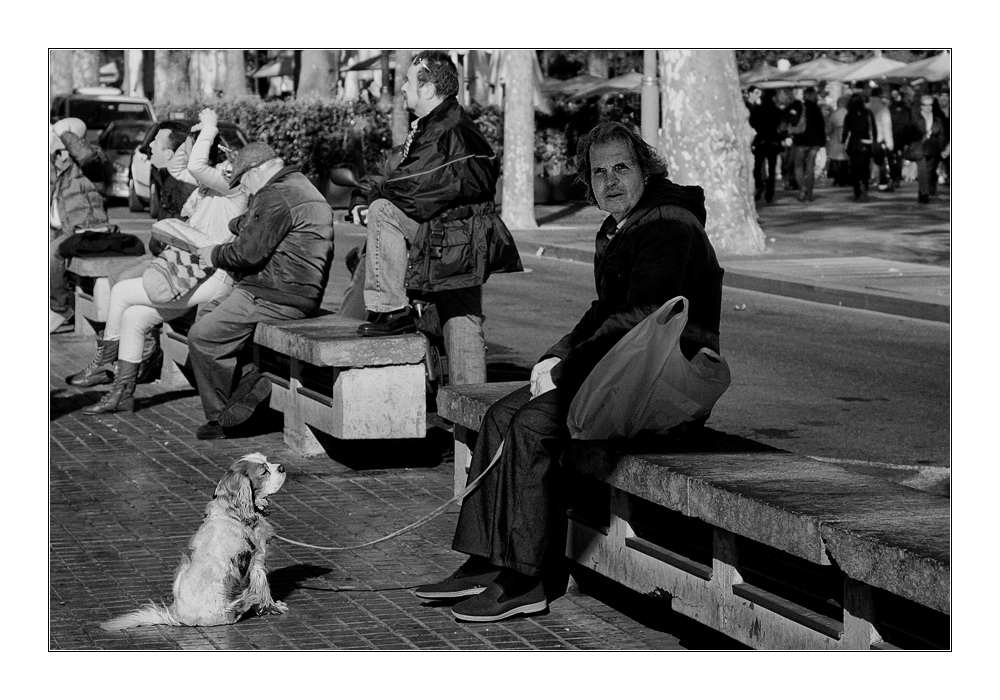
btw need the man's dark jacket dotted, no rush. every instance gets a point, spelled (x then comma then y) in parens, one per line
(815, 134)
(447, 183)
(284, 243)
(662, 251)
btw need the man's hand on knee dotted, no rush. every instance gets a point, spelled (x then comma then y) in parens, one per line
(541, 376)
(359, 215)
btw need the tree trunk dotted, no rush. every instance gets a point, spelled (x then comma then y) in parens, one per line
(597, 63)
(60, 72)
(132, 84)
(236, 74)
(317, 79)
(204, 73)
(400, 115)
(86, 68)
(519, 143)
(172, 78)
(706, 139)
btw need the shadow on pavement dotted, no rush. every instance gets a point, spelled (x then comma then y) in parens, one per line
(368, 455)
(286, 580)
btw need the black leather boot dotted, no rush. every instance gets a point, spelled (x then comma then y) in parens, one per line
(120, 397)
(152, 359)
(389, 323)
(94, 374)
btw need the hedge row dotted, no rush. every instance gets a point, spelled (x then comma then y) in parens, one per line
(319, 136)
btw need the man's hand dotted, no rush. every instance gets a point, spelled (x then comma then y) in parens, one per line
(541, 376)
(205, 255)
(209, 117)
(359, 215)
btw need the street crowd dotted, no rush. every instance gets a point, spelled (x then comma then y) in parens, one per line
(866, 135)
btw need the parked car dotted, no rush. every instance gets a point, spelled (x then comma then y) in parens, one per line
(98, 107)
(118, 141)
(142, 186)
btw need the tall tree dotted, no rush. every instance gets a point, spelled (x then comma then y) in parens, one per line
(235, 84)
(317, 79)
(206, 70)
(172, 83)
(86, 67)
(706, 141)
(60, 72)
(519, 142)
(597, 63)
(400, 115)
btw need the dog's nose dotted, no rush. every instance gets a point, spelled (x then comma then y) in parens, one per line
(281, 469)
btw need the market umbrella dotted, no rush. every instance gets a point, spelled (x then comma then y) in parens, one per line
(761, 72)
(554, 86)
(629, 82)
(779, 84)
(933, 69)
(372, 63)
(868, 69)
(279, 66)
(817, 69)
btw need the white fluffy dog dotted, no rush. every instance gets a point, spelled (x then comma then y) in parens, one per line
(225, 576)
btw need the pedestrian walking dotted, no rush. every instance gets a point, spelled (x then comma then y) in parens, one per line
(859, 134)
(806, 144)
(765, 119)
(933, 138)
(837, 163)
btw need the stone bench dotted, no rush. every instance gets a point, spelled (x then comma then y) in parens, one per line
(774, 550)
(328, 379)
(92, 291)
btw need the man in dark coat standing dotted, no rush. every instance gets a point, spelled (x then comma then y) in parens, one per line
(430, 214)
(652, 247)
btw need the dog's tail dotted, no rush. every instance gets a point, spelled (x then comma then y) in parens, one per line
(145, 616)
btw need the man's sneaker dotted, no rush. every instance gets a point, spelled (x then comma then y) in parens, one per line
(510, 594)
(252, 390)
(471, 578)
(210, 431)
(389, 323)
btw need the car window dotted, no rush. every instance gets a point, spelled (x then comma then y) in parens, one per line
(124, 137)
(98, 114)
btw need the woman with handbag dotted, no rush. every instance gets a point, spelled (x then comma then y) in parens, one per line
(859, 135)
(138, 304)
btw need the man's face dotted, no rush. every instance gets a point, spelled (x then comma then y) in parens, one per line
(926, 105)
(159, 149)
(616, 178)
(411, 91)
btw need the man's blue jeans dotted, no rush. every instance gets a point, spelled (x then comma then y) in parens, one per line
(219, 344)
(381, 272)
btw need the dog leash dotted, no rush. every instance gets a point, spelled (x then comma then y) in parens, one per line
(412, 526)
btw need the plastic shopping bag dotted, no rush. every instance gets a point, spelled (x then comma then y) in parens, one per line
(645, 384)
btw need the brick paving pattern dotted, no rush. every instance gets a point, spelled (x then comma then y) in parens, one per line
(127, 491)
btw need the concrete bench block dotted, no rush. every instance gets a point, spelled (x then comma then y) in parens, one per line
(327, 379)
(856, 539)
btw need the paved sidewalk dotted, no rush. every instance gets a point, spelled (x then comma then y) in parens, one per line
(890, 254)
(127, 491)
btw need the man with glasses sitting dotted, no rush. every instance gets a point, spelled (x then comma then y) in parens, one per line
(282, 255)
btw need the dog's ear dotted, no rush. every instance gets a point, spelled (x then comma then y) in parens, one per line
(235, 490)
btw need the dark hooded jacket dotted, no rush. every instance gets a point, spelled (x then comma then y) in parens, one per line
(71, 185)
(284, 243)
(662, 251)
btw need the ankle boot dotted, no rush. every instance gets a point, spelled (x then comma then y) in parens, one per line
(152, 359)
(120, 397)
(93, 374)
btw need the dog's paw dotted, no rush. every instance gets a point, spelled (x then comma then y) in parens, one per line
(274, 608)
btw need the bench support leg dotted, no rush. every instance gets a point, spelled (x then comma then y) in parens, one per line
(465, 442)
(298, 435)
(175, 355)
(859, 633)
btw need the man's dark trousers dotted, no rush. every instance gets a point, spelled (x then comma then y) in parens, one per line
(217, 343)
(509, 517)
